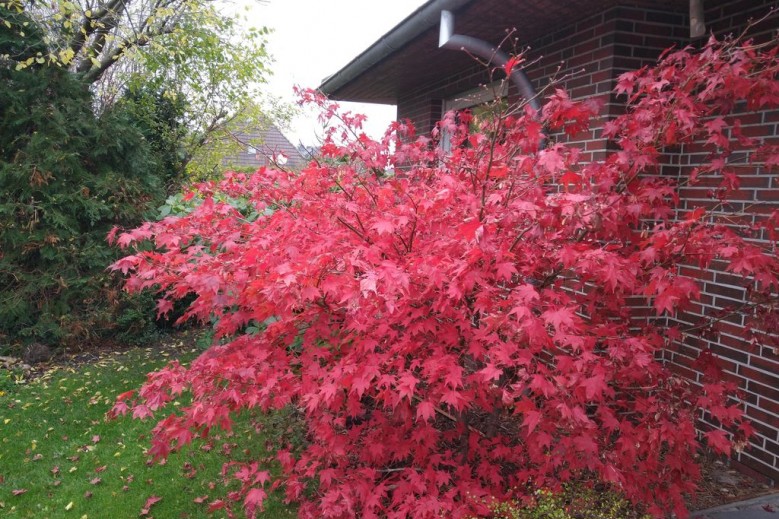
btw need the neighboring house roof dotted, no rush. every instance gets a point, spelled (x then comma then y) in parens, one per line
(261, 147)
(408, 56)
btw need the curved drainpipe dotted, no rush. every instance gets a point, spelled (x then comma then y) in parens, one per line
(448, 40)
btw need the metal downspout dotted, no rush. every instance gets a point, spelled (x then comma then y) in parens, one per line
(697, 23)
(448, 40)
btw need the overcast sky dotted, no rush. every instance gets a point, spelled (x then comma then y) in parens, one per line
(313, 39)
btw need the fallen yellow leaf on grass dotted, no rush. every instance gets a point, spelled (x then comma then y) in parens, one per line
(69, 506)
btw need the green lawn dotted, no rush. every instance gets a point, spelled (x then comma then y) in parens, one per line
(60, 457)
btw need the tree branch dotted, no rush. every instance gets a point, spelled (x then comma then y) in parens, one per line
(108, 60)
(89, 25)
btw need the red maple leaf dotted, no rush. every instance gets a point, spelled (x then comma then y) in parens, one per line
(253, 500)
(215, 505)
(594, 387)
(150, 501)
(511, 63)
(425, 411)
(469, 230)
(560, 318)
(406, 385)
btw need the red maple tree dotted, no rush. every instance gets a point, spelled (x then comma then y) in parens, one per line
(458, 326)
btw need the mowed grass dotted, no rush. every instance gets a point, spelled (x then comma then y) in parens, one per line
(61, 457)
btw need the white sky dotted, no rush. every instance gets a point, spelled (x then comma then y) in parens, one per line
(312, 39)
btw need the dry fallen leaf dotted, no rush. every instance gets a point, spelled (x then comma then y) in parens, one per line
(149, 503)
(19, 491)
(95, 481)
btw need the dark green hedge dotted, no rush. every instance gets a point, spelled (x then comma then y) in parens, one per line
(67, 177)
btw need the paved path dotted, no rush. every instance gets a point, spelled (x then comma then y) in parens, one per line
(764, 507)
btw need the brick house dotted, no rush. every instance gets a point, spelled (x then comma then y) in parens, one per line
(590, 44)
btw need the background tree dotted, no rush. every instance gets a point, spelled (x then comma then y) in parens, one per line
(103, 104)
(193, 52)
(67, 177)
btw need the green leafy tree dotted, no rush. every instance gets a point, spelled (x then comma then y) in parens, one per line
(191, 52)
(159, 117)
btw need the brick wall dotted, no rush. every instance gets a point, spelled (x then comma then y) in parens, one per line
(752, 362)
(590, 55)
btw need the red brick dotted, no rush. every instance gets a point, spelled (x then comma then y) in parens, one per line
(751, 118)
(767, 195)
(755, 469)
(768, 419)
(772, 447)
(769, 405)
(739, 343)
(756, 451)
(696, 273)
(771, 380)
(683, 371)
(764, 364)
(730, 353)
(583, 92)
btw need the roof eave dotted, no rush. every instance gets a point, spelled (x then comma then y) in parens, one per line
(421, 20)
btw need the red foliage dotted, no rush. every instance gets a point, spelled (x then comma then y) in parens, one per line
(461, 329)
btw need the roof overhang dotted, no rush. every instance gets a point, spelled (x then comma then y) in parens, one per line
(421, 21)
(408, 58)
